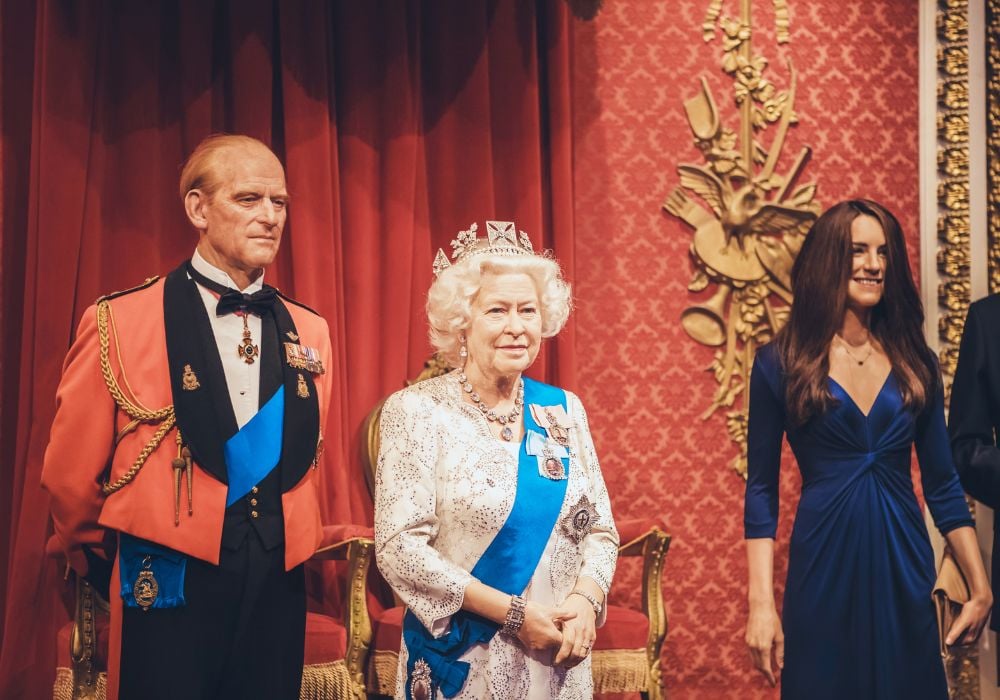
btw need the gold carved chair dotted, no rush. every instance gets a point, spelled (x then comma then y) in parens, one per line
(336, 647)
(626, 655)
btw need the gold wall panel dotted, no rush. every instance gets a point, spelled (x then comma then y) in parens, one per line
(993, 139)
(953, 256)
(749, 217)
(954, 286)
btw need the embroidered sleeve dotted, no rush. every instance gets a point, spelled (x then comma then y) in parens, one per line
(600, 547)
(406, 522)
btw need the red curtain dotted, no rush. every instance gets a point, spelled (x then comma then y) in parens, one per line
(399, 124)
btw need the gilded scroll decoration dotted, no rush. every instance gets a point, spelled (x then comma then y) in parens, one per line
(749, 220)
(993, 139)
(953, 256)
(954, 286)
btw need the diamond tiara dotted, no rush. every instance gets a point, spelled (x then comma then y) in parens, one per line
(502, 238)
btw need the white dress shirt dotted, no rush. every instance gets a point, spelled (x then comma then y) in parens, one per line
(242, 379)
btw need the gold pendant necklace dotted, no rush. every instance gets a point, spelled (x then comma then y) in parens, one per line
(246, 349)
(847, 349)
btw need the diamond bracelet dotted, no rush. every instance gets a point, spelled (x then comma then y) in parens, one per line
(594, 602)
(515, 616)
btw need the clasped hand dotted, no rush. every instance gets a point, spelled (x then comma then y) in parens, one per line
(568, 631)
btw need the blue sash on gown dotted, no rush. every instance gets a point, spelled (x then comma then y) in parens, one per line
(507, 564)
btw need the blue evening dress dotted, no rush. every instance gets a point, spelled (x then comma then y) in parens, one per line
(858, 618)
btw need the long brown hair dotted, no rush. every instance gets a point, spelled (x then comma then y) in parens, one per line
(820, 292)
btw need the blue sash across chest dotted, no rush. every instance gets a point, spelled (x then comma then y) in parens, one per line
(255, 449)
(508, 563)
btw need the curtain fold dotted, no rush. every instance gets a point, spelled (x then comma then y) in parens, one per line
(399, 123)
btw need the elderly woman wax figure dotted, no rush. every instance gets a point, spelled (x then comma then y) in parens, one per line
(492, 521)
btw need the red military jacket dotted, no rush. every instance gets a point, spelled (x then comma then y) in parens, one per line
(95, 441)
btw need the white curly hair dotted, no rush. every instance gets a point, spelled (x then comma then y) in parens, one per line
(450, 298)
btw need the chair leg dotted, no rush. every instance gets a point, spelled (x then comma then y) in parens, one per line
(83, 643)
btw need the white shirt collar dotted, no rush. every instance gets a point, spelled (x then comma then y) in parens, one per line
(216, 275)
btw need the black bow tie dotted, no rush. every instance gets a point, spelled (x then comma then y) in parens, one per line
(258, 302)
(231, 300)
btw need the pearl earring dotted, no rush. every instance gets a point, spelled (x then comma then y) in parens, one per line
(462, 351)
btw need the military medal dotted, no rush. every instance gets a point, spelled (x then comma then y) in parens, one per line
(580, 519)
(554, 421)
(246, 349)
(145, 588)
(303, 357)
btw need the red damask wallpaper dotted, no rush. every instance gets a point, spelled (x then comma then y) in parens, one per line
(642, 378)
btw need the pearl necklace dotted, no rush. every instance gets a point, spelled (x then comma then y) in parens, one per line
(847, 349)
(507, 434)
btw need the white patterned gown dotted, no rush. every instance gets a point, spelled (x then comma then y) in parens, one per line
(443, 490)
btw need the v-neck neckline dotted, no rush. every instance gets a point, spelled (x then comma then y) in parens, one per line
(854, 403)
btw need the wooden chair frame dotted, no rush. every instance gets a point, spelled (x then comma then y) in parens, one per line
(340, 680)
(652, 546)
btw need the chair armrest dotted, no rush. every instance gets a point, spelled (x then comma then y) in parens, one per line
(337, 540)
(355, 545)
(633, 533)
(84, 605)
(647, 538)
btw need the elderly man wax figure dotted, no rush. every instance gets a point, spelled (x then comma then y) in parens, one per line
(974, 419)
(181, 458)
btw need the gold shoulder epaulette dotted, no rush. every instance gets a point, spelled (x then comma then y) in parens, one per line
(297, 303)
(114, 295)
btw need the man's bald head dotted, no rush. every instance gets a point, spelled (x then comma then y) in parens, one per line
(203, 168)
(235, 197)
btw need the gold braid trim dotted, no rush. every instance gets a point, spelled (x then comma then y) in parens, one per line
(165, 416)
(382, 665)
(329, 680)
(620, 671)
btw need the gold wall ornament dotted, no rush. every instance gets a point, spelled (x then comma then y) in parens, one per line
(953, 256)
(751, 220)
(993, 140)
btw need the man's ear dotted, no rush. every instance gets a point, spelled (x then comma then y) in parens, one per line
(195, 202)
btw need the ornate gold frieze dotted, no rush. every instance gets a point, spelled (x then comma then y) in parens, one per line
(953, 261)
(993, 139)
(749, 218)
